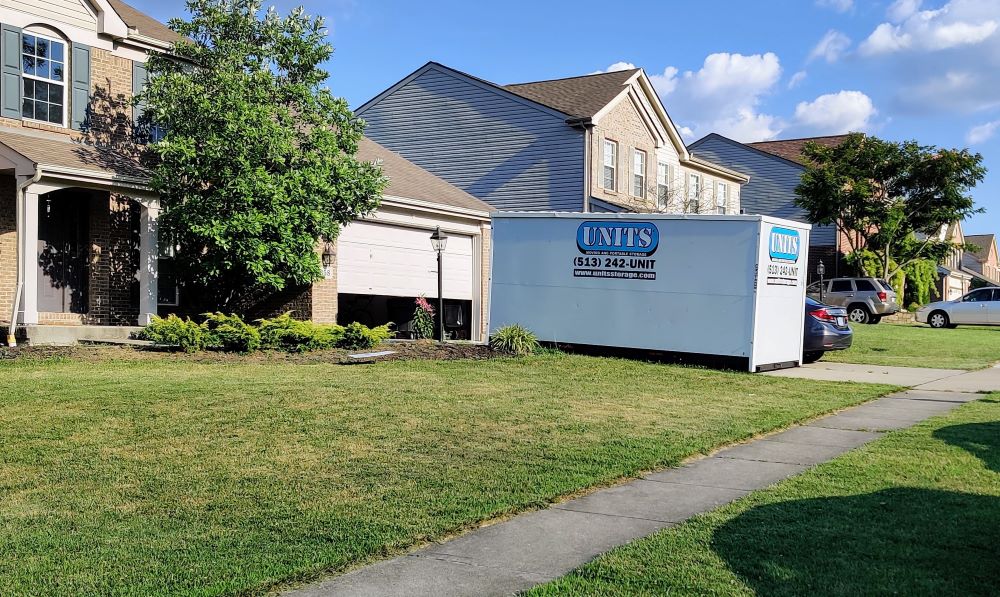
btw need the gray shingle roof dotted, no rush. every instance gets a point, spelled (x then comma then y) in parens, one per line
(581, 97)
(61, 151)
(409, 181)
(143, 23)
(983, 241)
(791, 149)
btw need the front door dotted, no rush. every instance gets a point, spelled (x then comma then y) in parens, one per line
(63, 241)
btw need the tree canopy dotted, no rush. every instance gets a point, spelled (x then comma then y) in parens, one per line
(257, 163)
(892, 199)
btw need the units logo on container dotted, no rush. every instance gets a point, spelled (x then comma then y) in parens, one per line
(784, 245)
(615, 237)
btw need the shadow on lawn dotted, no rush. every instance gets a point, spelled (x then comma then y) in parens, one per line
(980, 439)
(904, 541)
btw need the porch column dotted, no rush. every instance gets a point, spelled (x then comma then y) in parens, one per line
(28, 249)
(148, 261)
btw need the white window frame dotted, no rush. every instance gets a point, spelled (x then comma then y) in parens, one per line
(721, 197)
(639, 173)
(662, 184)
(65, 82)
(613, 165)
(693, 193)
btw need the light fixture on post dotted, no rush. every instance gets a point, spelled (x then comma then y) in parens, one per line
(821, 269)
(329, 255)
(439, 242)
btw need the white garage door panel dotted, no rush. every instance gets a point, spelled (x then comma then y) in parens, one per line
(398, 261)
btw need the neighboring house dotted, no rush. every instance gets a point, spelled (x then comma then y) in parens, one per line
(598, 142)
(984, 262)
(775, 169)
(953, 280)
(77, 220)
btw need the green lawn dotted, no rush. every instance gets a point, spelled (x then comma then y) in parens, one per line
(154, 477)
(915, 513)
(921, 346)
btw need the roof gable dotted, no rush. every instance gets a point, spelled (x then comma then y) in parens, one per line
(693, 147)
(470, 79)
(143, 24)
(986, 243)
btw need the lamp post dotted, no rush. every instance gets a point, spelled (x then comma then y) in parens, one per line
(439, 242)
(821, 269)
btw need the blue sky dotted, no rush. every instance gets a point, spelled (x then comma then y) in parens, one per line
(901, 69)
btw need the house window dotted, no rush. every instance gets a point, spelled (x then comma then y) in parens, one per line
(694, 194)
(44, 79)
(639, 174)
(610, 165)
(662, 188)
(721, 197)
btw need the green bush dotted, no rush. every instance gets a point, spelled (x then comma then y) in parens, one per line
(174, 331)
(294, 335)
(359, 337)
(423, 318)
(230, 333)
(514, 339)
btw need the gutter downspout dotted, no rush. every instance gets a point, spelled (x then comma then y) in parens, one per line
(21, 251)
(587, 125)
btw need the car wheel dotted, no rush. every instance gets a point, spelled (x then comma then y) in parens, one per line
(875, 319)
(858, 314)
(811, 357)
(938, 320)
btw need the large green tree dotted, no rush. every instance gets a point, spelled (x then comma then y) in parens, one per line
(257, 163)
(891, 199)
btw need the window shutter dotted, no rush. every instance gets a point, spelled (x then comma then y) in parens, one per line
(138, 82)
(80, 98)
(10, 72)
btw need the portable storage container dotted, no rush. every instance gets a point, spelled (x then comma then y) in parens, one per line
(729, 286)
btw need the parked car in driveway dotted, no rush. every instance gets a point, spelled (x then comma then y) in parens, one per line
(867, 300)
(979, 307)
(826, 329)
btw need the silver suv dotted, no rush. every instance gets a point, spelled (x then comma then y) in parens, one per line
(866, 299)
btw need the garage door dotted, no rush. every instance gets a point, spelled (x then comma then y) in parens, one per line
(389, 260)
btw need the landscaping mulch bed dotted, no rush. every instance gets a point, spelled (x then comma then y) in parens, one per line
(416, 350)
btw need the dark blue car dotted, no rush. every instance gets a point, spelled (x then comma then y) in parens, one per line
(825, 329)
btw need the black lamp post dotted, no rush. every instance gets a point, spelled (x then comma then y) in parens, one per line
(821, 269)
(439, 242)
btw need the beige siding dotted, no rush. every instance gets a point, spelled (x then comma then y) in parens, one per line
(69, 12)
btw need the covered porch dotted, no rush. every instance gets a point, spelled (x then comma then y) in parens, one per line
(78, 240)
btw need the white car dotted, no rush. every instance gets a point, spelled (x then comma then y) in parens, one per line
(979, 307)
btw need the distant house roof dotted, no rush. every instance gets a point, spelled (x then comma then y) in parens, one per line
(409, 181)
(791, 149)
(143, 23)
(582, 97)
(61, 152)
(983, 241)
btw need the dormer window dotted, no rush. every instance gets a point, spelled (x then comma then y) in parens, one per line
(43, 71)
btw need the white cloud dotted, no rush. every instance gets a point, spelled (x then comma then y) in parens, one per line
(615, 67)
(957, 23)
(981, 133)
(797, 79)
(831, 46)
(835, 113)
(837, 5)
(900, 10)
(722, 95)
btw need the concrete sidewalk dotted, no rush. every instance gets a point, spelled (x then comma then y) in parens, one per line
(532, 548)
(946, 380)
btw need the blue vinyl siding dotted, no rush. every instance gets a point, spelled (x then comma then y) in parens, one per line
(509, 153)
(771, 190)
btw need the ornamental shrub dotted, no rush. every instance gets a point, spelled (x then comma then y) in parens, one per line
(174, 331)
(230, 333)
(360, 337)
(294, 335)
(514, 339)
(423, 318)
